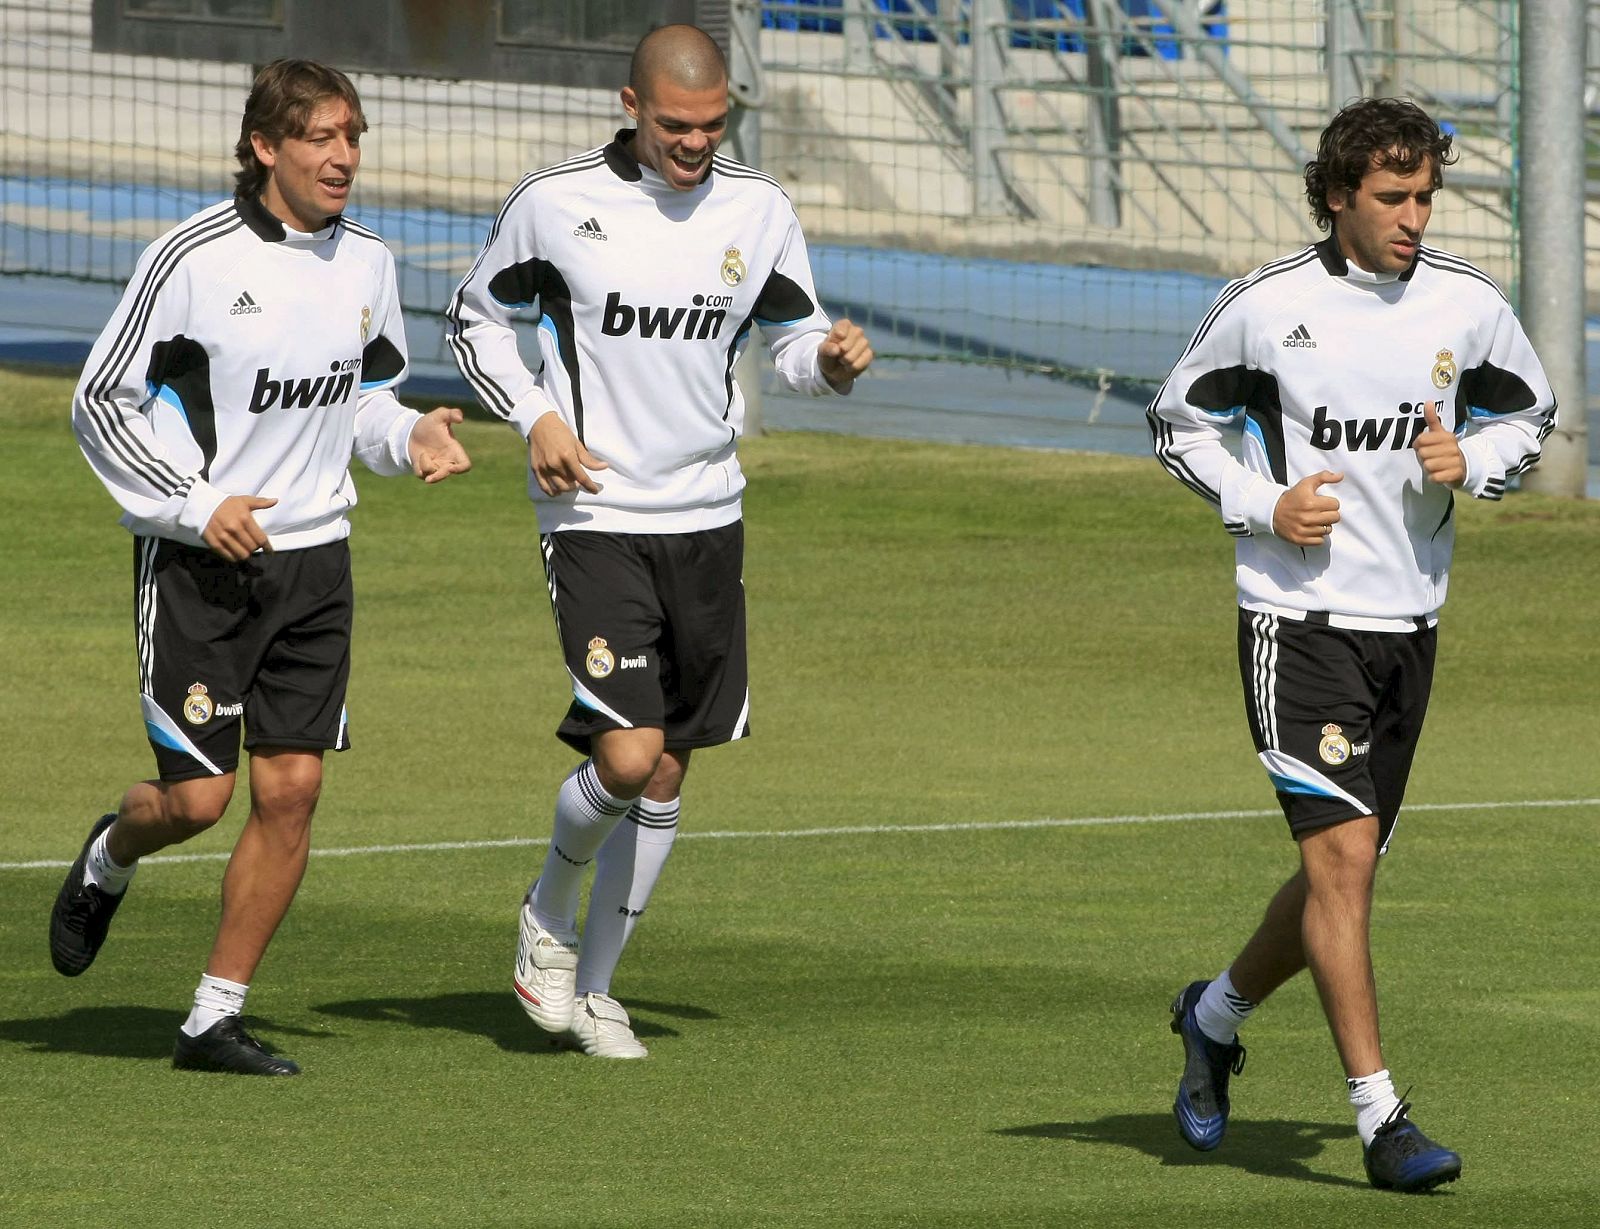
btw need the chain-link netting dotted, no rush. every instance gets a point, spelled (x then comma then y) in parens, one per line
(1046, 186)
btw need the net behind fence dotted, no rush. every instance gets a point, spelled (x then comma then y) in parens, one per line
(1054, 187)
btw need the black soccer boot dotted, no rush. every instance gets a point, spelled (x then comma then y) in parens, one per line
(225, 1046)
(1201, 1107)
(82, 913)
(1401, 1158)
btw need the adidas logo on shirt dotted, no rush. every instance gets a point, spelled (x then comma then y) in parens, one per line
(591, 230)
(1300, 339)
(244, 305)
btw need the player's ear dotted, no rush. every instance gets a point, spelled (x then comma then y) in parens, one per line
(266, 152)
(630, 102)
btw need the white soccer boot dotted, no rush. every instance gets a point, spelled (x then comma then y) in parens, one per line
(600, 1027)
(546, 972)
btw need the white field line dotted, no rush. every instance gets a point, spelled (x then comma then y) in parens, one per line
(1091, 821)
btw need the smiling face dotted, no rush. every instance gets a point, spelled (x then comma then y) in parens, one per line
(1379, 225)
(679, 129)
(310, 174)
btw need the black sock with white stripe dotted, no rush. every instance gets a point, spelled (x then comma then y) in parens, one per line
(585, 816)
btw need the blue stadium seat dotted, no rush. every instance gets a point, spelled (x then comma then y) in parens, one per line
(801, 15)
(812, 15)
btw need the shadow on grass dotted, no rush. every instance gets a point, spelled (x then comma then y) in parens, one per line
(495, 1015)
(1270, 1149)
(116, 1032)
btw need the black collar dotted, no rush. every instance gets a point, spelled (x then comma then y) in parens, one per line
(267, 226)
(1333, 260)
(624, 164)
(619, 156)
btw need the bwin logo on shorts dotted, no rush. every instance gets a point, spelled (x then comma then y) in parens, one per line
(1300, 339)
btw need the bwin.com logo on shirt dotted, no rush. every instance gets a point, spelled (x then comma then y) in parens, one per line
(244, 305)
(697, 323)
(317, 392)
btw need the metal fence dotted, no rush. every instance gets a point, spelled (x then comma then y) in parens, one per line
(1161, 135)
(1048, 186)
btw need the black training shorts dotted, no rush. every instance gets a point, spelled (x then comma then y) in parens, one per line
(1335, 713)
(652, 630)
(265, 642)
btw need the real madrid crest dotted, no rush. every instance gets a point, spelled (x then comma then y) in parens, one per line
(1444, 369)
(197, 705)
(366, 323)
(1334, 747)
(599, 662)
(733, 269)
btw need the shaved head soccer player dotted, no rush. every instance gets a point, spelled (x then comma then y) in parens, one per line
(1373, 378)
(649, 263)
(256, 349)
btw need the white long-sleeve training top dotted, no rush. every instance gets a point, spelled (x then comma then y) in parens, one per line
(246, 358)
(1327, 367)
(645, 297)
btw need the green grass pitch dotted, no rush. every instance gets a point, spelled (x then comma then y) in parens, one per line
(920, 1017)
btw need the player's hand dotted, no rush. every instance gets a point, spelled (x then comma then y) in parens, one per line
(1439, 450)
(1303, 516)
(843, 355)
(232, 531)
(560, 461)
(435, 452)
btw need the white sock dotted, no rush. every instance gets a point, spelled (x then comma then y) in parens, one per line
(214, 998)
(100, 870)
(1221, 1010)
(585, 816)
(1374, 1099)
(626, 870)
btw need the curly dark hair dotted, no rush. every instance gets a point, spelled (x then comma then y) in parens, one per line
(285, 95)
(1368, 133)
